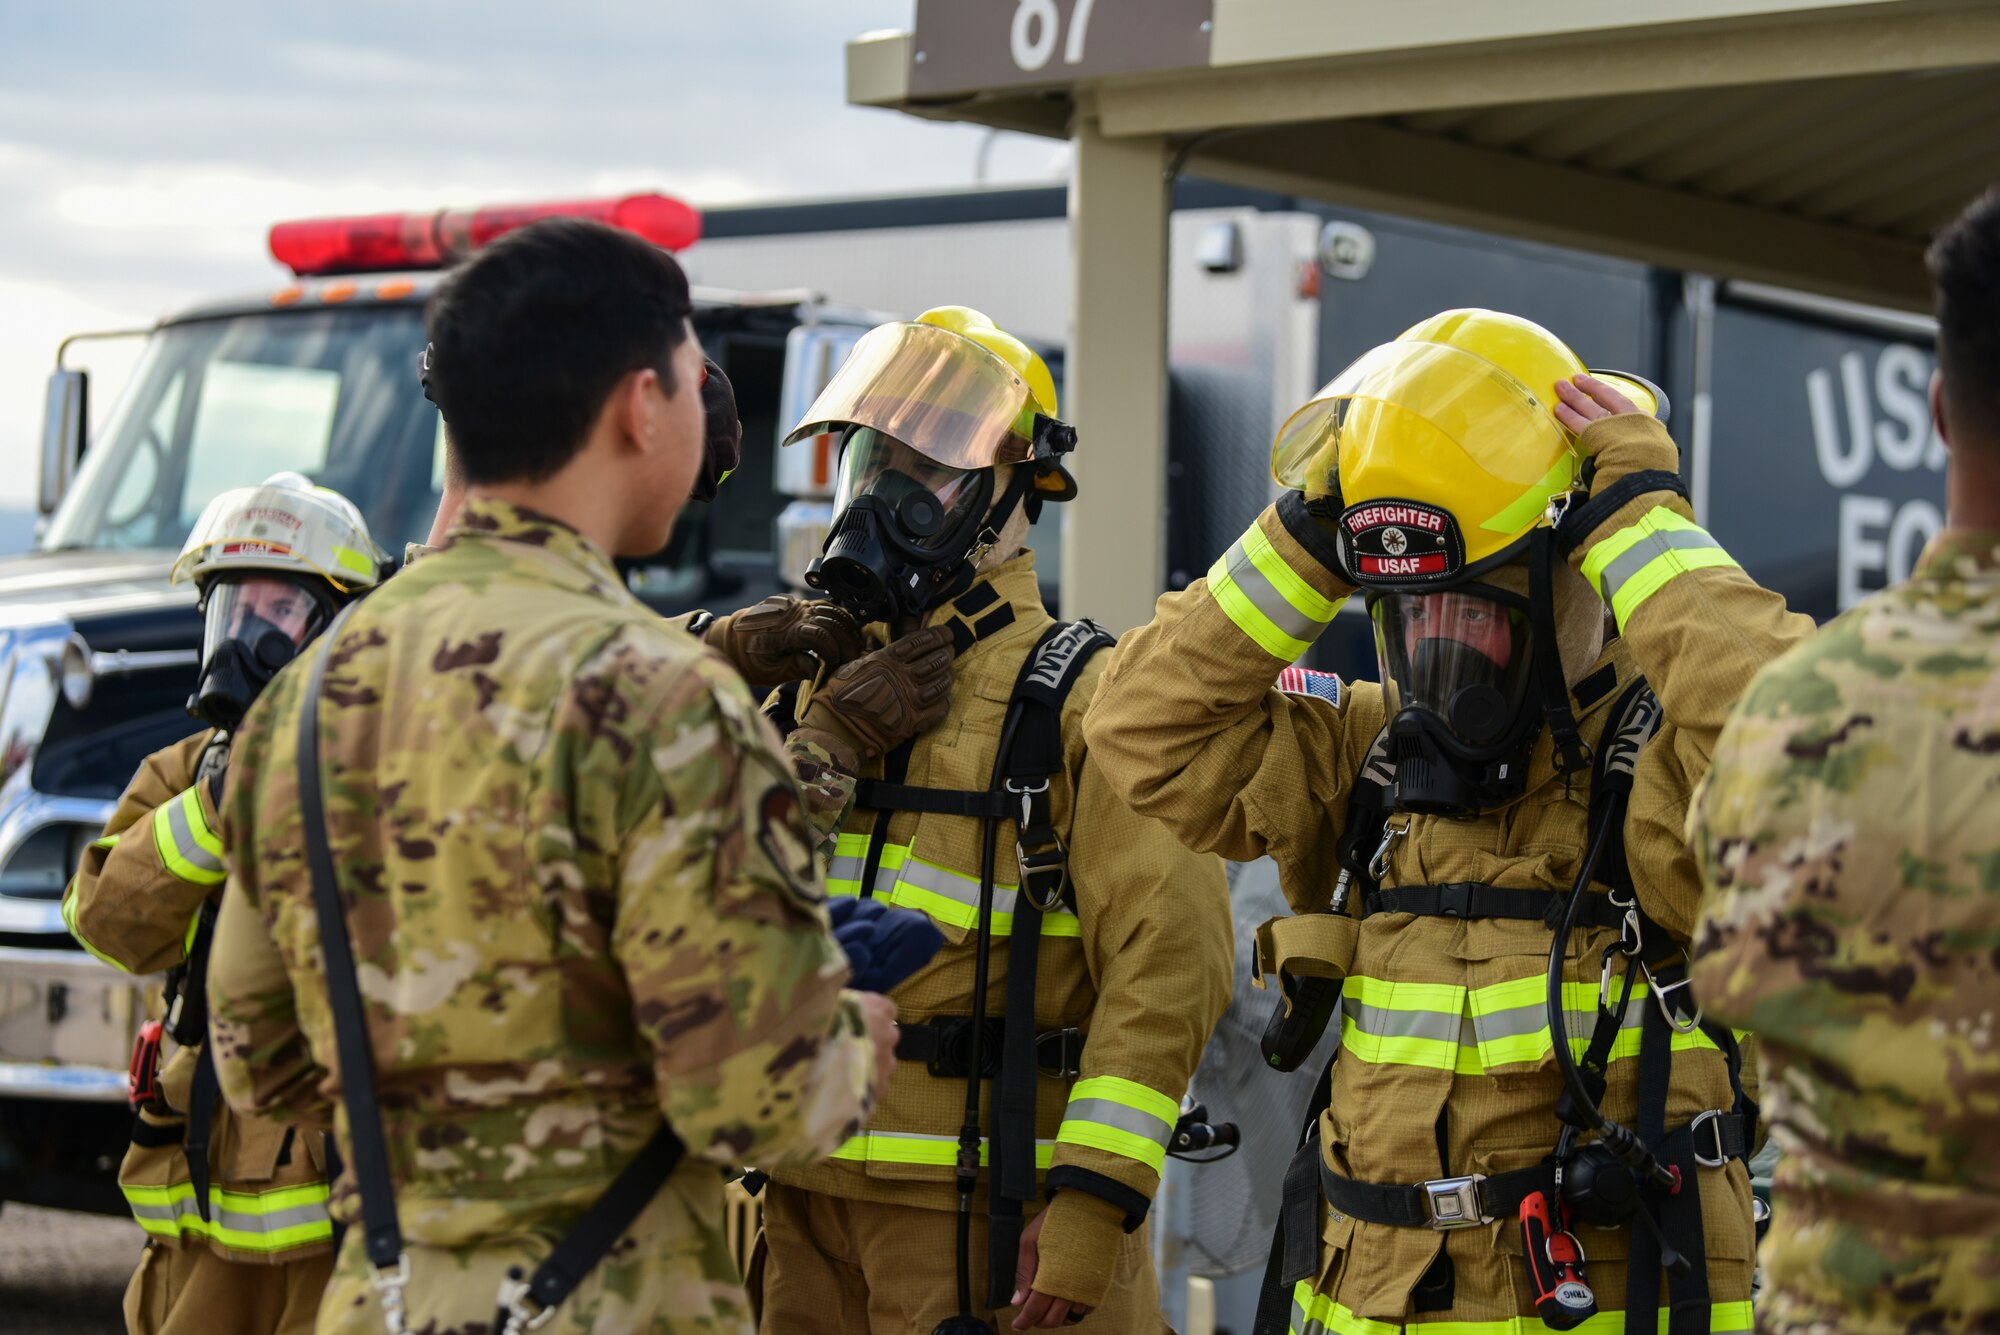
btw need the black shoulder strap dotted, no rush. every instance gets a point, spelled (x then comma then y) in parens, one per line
(382, 1235)
(1367, 814)
(1031, 758)
(1630, 723)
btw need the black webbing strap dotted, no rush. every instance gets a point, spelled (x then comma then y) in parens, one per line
(1496, 1197)
(943, 1044)
(381, 1232)
(202, 1096)
(976, 803)
(1642, 1279)
(1033, 759)
(1475, 899)
(1570, 755)
(895, 766)
(1295, 1237)
(1582, 520)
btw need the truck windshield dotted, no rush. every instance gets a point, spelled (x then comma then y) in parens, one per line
(226, 402)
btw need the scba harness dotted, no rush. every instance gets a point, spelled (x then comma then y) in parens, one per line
(1646, 1175)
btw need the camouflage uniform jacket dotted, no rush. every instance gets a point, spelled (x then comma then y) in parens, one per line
(1142, 964)
(1443, 1018)
(581, 892)
(135, 903)
(1849, 835)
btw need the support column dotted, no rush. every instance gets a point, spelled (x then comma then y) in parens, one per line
(1115, 381)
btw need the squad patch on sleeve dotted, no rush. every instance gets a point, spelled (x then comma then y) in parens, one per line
(1303, 681)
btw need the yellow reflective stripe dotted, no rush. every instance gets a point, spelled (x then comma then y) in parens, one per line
(914, 1147)
(1313, 1313)
(1268, 600)
(1529, 505)
(194, 926)
(107, 842)
(1639, 560)
(358, 562)
(269, 1222)
(69, 911)
(950, 897)
(187, 849)
(1122, 1117)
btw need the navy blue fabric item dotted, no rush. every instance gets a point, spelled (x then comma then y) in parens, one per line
(884, 946)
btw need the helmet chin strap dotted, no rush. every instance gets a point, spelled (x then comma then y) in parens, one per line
(1572, 755)
(967, 572)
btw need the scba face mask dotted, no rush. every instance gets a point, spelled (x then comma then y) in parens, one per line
(252, 627)
(1458, 671)
(907, 527)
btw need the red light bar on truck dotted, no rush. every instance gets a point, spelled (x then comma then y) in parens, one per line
(387, 241)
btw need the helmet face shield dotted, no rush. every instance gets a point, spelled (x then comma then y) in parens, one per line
(950, 397)
(1460, 656)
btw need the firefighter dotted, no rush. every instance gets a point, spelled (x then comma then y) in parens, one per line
(234, 1206)
(1509, 793)
(1087, 954)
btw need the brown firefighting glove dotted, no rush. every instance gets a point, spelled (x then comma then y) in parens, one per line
(1078, 1249)
(786, 639)
(878, 702)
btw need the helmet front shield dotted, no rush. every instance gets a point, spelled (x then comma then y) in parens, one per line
(939, 392)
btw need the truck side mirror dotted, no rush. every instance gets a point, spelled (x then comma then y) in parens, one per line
(63, 425)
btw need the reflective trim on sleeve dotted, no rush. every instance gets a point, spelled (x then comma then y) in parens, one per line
(1122, 1117)
(187, 847)
(906, 881)
(69, 912)
(1313, 1313)
(1638, 561)
(1268, 600)
(268, 1222)
(1448, 1028)
(918, 1148)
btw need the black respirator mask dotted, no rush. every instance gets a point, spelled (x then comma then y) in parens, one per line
(252, 628)
(908, 531)
(1458, 668)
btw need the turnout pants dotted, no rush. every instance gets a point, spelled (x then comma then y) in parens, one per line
(833, 1266)
(186, 1289)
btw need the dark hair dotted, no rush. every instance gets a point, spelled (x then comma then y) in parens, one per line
(1964, 262)
(530, 335)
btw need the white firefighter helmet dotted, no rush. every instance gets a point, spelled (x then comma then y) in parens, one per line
(285, 526)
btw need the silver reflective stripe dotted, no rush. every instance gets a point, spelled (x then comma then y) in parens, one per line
(1385, 1023)
(845, 868)
(220, 1216)
(1643, 552)
(1106, 1112)
(185, 843)
(1519, 1021)
(1266, 597)
(1302, 1326)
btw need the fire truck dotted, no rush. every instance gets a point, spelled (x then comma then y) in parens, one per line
(1805, 442)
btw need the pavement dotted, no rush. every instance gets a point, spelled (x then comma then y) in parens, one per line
(64, 1273)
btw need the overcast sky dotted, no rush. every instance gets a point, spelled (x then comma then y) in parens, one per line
(146, 148)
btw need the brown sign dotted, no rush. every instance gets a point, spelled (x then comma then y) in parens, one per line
(962, 46)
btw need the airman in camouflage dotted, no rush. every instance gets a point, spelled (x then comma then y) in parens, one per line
(1849, 843)
(577, 872)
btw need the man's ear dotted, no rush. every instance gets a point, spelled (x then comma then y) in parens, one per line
(631, 407)
(1937, 408)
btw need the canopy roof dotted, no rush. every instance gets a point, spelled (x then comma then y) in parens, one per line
(1812, 145)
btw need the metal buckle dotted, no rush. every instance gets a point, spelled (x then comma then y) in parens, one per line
(1662, 996)
(1453, 1202)
(1713, 1118)
(389, 1284)
(522, 1312)
(1039, 865)
(1062, 1050)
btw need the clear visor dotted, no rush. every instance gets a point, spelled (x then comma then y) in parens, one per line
(1461, 655)
(955, 400)
(924, 494)
(246, 610)
(1474, 405)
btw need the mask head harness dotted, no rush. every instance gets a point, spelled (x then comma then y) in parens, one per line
(1472, 664)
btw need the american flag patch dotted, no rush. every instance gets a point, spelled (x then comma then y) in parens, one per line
(1301, 681)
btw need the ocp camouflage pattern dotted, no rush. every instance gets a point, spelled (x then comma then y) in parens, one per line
(1849, 836)
(582, 892)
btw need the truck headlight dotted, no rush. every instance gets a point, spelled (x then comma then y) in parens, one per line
(78, 678)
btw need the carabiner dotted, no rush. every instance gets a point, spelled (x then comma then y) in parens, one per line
(1378, 866)
(1661, 995)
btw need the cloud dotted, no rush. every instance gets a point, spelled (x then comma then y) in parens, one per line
(143, 157)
